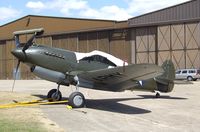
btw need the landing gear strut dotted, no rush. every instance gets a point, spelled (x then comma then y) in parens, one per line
(76, 99)
(54, 94)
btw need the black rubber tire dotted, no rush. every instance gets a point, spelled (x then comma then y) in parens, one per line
(195, 79)
(77, 96)
(51, 95)
(157, 95)
(189, 78)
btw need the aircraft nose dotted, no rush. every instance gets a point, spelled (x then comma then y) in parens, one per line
(18, 53)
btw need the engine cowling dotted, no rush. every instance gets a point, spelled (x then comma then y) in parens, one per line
(50, 75)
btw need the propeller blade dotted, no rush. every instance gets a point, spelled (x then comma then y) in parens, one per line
(15, 74)
(29, 43)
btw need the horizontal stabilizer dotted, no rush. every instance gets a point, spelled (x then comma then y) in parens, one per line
(37, 31)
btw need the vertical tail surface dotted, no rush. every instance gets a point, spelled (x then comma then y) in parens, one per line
(167, 78)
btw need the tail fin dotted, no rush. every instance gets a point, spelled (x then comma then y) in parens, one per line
(167, 78)
(169, 71)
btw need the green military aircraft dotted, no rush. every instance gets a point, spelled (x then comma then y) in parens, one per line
(95, 70)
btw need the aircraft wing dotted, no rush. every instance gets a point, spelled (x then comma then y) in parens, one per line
(118, 78)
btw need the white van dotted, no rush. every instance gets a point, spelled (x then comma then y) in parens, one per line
(189, 74)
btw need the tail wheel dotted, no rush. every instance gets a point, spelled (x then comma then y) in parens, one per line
(54, 95)
(157, 95)
(77, 100)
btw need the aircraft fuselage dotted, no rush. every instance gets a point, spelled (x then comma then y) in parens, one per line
(56, 59)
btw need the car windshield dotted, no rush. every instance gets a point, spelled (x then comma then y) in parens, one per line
(198, 71)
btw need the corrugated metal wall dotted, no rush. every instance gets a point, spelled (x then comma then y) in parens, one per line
(184, 12)
(9, 59)
(176, 36)
(2, 60)
(178, 42)
(114, 42)
(144, 41)
(120, 44)
(103, 41)
(192, 41)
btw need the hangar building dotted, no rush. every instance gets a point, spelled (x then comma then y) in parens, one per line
(171, 33)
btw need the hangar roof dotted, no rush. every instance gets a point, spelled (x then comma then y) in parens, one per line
(57, 25)
(185, 12)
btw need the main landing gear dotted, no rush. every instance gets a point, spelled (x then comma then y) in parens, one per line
(76, 99)
(54, 94)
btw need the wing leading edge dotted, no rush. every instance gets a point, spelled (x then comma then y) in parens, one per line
(118, 78)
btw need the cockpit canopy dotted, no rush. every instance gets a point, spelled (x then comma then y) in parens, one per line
(98, 58)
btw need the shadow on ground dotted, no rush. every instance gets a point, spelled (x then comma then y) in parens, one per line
(161, 97)
(114, 105)
(111, 105)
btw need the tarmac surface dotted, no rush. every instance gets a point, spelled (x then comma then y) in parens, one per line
(120, 111)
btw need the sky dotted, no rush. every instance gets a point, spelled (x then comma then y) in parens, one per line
(93, 9)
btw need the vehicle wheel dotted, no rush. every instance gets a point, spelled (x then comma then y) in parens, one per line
(157, 95)
(77, 100)
(194, 79)
(189, 78)
(53, 95)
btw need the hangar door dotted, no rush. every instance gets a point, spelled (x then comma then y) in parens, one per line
(180, 43)
(145, 45)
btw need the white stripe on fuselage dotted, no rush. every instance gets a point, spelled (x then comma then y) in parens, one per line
(115, 60)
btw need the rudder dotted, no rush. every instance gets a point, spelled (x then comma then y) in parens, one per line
(165, 82)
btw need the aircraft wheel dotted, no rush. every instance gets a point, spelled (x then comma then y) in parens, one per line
(53, 95)
(157, 95)
(77, 100)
